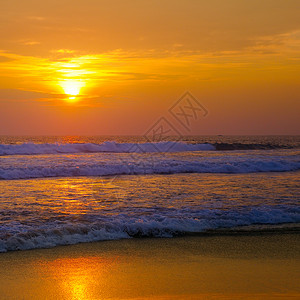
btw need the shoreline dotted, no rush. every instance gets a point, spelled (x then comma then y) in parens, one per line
(243, 230)
(240, 266)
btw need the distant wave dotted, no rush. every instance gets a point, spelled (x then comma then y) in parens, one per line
(115, 147)
(243, 146)
(146, 164)
(18, 237)
(32, 149)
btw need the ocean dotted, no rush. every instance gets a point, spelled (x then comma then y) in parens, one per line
(68, 190)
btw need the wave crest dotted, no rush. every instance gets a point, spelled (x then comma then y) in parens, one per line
(125, 226)
(32, 149)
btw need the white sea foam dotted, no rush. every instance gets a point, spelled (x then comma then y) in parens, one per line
(19, 167)
(19, 237)
(31, 148)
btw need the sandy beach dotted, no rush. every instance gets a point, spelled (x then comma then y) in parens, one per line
(257, 266)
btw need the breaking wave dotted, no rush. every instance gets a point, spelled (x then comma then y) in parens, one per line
(124, 226)
(140, 164)
(32, 149)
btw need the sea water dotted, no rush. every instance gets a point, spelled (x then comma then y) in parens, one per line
(67, 190)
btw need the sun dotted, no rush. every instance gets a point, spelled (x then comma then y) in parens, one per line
(72, 87)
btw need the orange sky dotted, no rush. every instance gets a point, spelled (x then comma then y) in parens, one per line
(116, 66)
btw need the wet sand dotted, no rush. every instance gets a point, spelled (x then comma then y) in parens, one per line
(257, 266)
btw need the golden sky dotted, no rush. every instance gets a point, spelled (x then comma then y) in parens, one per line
(116, 66)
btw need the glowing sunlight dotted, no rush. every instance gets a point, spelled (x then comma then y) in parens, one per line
(72, 87)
